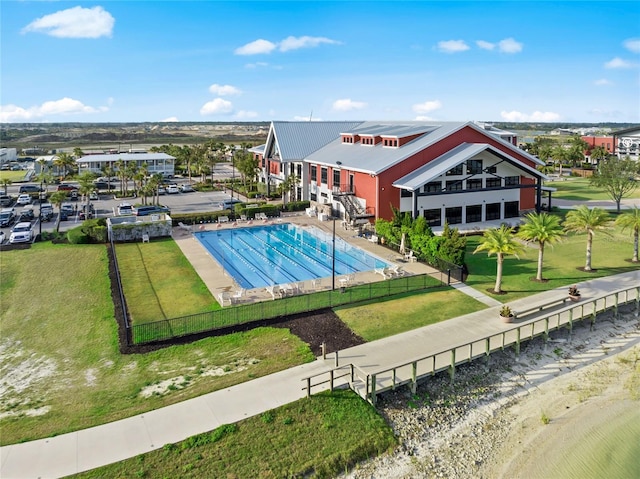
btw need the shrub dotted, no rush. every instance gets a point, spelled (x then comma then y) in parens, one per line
(77, 236)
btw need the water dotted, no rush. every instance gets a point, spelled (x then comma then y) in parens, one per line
(261, 256)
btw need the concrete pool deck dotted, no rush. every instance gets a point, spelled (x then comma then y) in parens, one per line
(218, 281)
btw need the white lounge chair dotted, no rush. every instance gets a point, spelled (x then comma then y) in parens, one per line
(185, 228)
(274, 291)
(238, 295)
(223, 219)
(347, 280)
(224, 298)
(145, 238)
(409, 257)
(384, 272)
(398, 270)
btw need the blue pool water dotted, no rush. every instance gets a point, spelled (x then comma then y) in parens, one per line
(262, 256)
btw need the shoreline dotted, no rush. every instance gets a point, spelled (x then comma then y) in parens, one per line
(503, 420)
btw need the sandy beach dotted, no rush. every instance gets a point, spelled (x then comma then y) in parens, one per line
(521, 417)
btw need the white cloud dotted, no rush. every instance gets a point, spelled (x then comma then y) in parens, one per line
(427, 106)
(224, 90)
(64, 106)
(485, 45)
(217, 106)
(290, 43)
(245, 115)
(305, 118)
(618, 62)
(257, 65)
(452, 46)
(76, 22)
(632, 44)
(509, 45)
(171, 119)
(542, 116)
(295, 43)
(347, 104)
(256, 47)
(602, 82)
(423, 118)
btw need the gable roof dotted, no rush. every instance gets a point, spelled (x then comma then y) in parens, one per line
(125, 157)
(439, 166)
(298, 139)
(378, 158)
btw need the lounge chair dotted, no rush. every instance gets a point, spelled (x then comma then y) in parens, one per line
(185, 228)
(223, 219)
(145, 238)
(384, 272)
(409, 257)
(238, 295)
(398, 270)
(274, 291)
(224, 299)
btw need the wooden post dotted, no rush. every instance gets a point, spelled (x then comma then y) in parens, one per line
(336, 358)
(570, 322)
(433, 369)
(331, 380)
(615, 308)
(414, 377)
(593, 316)
(518, 342)
(308, 387)
(393, 380)
(324, 350)
(487, 351)
(546, 329)
(373, 389)
(452, 366)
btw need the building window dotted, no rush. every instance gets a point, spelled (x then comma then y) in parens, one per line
(314, 172)
(313, 197)
(492, 212)
(323, 176)
(336, 178)
(494, 182)
(453, 215)
(474, 167)
(474, 213)
(405, 193)
(433, 187)
(511, 209)
(474, 184)
(433, 217)
(512, 181)
(454, 186)
(457, 170)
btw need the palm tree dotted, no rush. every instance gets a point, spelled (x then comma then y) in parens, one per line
(585, 220)
(5, 184)
(122, 175)
(66, 162)
(631, 220)
(541, 228)
(57, 198)
(501, 242)
(85, 180)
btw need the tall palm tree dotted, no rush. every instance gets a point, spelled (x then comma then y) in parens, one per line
(86, 186)
(501, 242)
(56, 199)
(5, 184)
(631, 220)
(122, 175)
(541, 228)
(65, 162)
(585, 220)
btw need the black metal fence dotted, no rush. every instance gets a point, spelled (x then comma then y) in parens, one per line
(246, 313)
(452, 271)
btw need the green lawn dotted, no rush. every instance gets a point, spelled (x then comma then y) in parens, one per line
(59, 341)
(321, 436)
(562, 263)
(14, 176)
(579, 189)
(381, 318)
(160, 283)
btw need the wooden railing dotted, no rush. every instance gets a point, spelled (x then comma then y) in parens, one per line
(370, 384)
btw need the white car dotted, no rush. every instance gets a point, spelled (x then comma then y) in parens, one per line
(24, 199)
(20, 233)
(125, 209)
(173, 189)
(186, 188)
(2, 237)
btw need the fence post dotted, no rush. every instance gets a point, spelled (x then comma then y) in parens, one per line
(448, 276)
(414, 376)
(308, 387)
(323, 346)
(452, 366)
(518, 342)
(331, 380)
(373, 389)
(336, 358)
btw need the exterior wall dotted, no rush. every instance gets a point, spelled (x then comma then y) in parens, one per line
(628, 144)
(131, 228)
(527, 195)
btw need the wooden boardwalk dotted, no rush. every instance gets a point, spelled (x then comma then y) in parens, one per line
(407, 358)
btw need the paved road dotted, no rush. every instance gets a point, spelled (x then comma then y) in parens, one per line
(86, 449)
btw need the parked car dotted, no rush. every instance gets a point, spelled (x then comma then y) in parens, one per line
(125, 209)
(82, 212)
(26, 214)
(186, 188)
(30, 189)
(21, 233)
(67, 187)
(73, 195)
(162, 190)
(102, 185)
(46, 211)
(151, 210)
(172, 189)
(6, 200)
(2, 237)
(7, 217)
(66, 210)
(24, 199)
(229, 204)
(93, 195)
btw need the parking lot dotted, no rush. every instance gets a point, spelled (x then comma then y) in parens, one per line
(106, 206)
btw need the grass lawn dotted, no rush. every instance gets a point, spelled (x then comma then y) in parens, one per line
(160, 283)
(59, 358)
(381, 318)
(12, 175)
(610, 255)
(323, 435)
(579, 189)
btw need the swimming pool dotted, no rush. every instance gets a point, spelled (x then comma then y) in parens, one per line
(265, 255)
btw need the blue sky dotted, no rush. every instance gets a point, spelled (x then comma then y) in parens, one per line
(134, 61)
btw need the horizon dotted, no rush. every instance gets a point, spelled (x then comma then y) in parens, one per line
(253, 62)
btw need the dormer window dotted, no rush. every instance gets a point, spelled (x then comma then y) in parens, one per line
(347, 139)
(367, 140)
(391, 142)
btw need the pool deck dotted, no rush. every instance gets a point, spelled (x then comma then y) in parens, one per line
(218, 281)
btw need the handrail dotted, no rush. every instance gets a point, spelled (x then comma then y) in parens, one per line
(598, 304)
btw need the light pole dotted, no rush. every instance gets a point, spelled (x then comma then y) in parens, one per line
(41, 196)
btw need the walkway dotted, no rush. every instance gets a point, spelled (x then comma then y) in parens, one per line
(86, 449)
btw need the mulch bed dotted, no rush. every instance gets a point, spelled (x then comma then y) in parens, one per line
(313, 328)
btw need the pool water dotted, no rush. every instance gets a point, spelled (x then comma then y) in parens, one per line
(265, 255)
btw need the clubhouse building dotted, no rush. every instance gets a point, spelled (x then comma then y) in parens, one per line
(464, 173)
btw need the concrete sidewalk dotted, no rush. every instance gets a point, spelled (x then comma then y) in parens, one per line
(86, 449)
